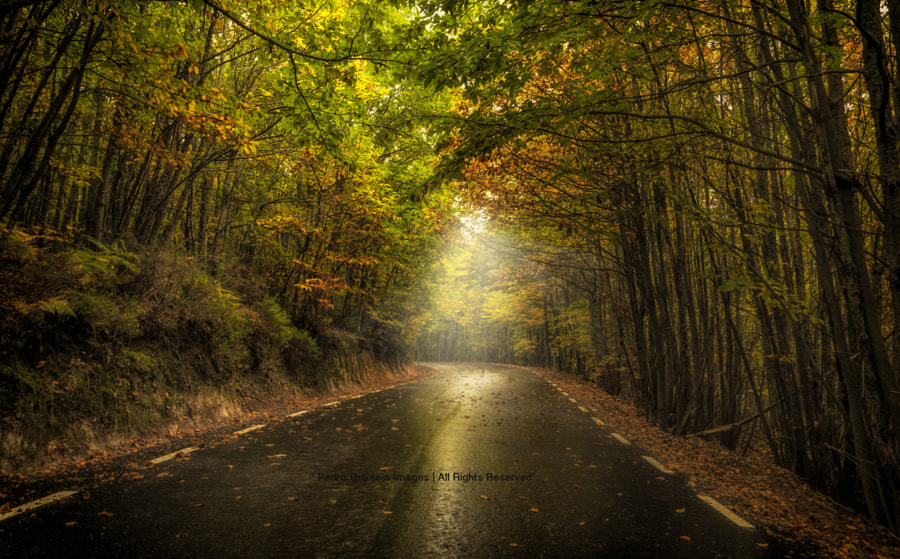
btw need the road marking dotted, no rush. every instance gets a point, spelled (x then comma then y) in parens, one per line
(597, 421)
(298, 413)
(162, 459)
(726, 512)
(329, 404)
(582, 409)
(248, 429)
(35, 504)
(621, 439)
(652, 461)
(572, 400)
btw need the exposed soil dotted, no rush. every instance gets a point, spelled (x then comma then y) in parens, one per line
(776, 500)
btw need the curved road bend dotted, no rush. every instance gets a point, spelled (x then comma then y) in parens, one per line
(476, 461)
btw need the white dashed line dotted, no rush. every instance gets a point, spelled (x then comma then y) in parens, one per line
(162, 459)
(35, 504)
(298, 413)
(582, 409)
(573, 401)
(564, 393)
(597, 421)
(652, 461)
(248, 429)
(620, 438)
(727, 513)
(329, 404)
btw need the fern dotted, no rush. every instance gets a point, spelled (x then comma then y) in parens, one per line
(57, 307)
(108, 264)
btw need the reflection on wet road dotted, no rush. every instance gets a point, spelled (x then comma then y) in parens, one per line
(477, 461)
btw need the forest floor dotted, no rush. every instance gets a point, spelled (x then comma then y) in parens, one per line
(752, 485)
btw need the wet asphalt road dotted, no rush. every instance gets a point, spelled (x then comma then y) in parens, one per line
(406, 472)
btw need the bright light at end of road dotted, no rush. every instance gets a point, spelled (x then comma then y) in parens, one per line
(473, 225)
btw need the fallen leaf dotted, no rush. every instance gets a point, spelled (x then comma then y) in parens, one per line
(277, 456)
(73, 523)
(679, 510)
(105, 513)
(533, 509)
(387, 512)
(384, 469)
(581, 523)
(137, 477)
(382, 501)
(485, 497)
(686, 538)
(199, 505)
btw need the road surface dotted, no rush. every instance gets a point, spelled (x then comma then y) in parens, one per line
(476, 461)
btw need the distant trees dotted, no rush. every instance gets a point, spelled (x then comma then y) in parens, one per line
(717, 183)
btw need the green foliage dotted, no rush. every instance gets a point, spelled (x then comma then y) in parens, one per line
(56, 307)
(104, 266)
(118, 318)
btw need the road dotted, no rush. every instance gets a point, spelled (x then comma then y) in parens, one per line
(475, 461)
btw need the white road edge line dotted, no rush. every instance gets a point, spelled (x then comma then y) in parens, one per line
(248, 429)
(621, 439)
(162, 459)
(38, 503)
(726, 512)
(298, 413)
(653, 462)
